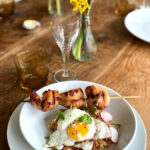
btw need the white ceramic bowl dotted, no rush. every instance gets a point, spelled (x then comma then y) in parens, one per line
(33, 123)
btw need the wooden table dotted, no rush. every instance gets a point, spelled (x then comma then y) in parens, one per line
(122, 61)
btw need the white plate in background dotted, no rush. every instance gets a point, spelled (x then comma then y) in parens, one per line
(137, 23)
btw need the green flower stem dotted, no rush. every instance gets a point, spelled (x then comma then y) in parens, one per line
(80, 38)
(58, 6)
(78, 45)
(89, 10)
(79, 48)
(50, 9)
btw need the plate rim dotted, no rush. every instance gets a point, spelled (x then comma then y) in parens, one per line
(11, 119)
(143, 125)
(13, 115)
(19, 107)
(90, 83)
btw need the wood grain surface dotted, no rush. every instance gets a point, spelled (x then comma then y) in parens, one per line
(122, 61)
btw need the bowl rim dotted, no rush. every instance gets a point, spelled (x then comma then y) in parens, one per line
(90, 83)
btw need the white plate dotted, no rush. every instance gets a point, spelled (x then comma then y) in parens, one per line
(15, 138)
(33, 123)
(17, 142)
(137, 22)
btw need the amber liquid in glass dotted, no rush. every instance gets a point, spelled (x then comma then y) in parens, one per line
(6, 8)
(33, 68)
(123, 7)
(35, 80)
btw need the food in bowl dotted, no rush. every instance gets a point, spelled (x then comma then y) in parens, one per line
(78, 127)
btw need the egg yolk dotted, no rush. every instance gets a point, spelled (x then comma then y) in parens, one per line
(77, 130)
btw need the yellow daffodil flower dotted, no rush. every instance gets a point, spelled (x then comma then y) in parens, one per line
(82, 5)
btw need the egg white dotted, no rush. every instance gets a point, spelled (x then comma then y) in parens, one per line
(87, 145)
(102, 130)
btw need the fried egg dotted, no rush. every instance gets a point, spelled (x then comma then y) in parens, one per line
(70, 131)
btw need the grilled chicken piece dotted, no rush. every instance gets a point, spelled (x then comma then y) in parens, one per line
(49, 101)
(73, 98)
(97, 97)
(52, 126)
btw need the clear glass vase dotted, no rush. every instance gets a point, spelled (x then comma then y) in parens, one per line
(85, 47)
(54, 7)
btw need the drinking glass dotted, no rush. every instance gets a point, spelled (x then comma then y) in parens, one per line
(33, 68)
(6, 8)
(123, 7)
(65, 29)
(146, 3)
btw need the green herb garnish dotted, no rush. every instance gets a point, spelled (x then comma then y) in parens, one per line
(85, 108)
(116, 125)
(47, 137)
(60, 115)
(85, 118)
(92, 110)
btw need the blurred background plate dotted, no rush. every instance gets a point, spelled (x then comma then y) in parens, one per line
(137, 23)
